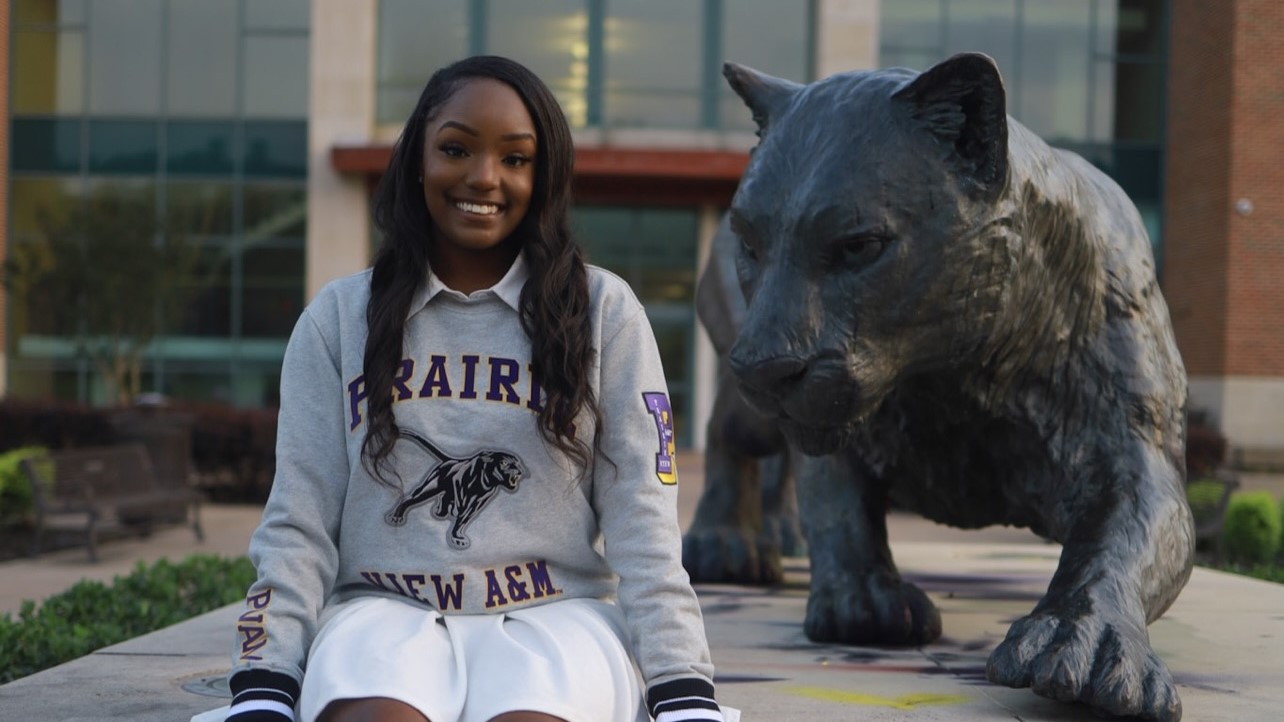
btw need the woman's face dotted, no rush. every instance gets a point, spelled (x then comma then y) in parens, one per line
(478, 170)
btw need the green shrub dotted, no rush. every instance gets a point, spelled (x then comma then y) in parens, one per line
(15, 491)
(1204, 496)
(1251, 531)
(91, 615)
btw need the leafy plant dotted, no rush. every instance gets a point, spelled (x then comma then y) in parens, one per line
(1251, 530)
(15, 490)
(91, 615)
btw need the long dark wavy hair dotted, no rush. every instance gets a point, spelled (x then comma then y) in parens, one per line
(555, 300)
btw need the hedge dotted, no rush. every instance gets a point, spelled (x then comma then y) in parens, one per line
(91, 615)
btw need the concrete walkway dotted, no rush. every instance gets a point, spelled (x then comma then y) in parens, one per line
(1223, 639)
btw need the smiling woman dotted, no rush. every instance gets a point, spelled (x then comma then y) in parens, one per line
(477, 177)
(509, 510)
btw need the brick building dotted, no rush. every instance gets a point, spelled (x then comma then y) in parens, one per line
(1224, 216)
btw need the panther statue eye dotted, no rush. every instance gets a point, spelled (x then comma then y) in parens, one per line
(858, 252)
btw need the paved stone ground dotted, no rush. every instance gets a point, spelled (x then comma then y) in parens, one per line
(1223, 639)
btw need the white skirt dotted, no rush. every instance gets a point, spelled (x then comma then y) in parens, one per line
(566, 658)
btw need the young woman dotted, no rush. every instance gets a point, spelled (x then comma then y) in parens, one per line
(473, 516)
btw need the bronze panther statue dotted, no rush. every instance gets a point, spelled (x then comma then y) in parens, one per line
(948, 313)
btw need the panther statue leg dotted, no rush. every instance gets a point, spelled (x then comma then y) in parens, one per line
(857, 594)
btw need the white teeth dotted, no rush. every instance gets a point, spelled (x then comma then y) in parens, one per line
(484, 209)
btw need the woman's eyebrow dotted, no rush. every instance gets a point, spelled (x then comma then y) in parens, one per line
(473, 132)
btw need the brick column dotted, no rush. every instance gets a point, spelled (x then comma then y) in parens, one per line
(1224, 217)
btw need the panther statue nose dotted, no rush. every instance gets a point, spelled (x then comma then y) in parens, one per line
(775, 376)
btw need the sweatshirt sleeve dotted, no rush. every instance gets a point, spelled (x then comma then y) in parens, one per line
(294, 547)
(635, 497)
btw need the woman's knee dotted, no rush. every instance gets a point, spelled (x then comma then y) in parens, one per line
(370, 709)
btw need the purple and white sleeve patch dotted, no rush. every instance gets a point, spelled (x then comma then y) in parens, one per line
(666, 467)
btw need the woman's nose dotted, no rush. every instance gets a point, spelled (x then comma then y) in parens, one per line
(483, 173)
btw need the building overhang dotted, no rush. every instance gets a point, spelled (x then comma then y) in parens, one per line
(608, 175)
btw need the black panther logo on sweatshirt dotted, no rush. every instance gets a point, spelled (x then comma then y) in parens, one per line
(461, 486)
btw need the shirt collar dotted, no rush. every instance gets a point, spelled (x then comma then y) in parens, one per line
(508, 290)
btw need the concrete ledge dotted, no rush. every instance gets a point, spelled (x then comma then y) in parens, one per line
(1223, 640)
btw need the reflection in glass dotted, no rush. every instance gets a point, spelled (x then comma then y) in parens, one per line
(273, 211)
(278, 14)
(650, 83)
(209, 310)
(275, 84)
(36, 204)
(125, 57)
(122, 146)
(198, 209)
(1055, 66)
(42, 145)
(911, 25)
(202, 47)
(198, 148)
(1139, 101)
(271, 311)
(1140, 27)
(48, 12)
(416, 37)
(742, 42)
(48, 72)
(276, 148)
(550, 38)
(988, 26)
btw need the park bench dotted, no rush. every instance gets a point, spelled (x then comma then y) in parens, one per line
(95, 489)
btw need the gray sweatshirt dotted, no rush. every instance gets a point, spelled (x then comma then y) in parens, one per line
(489, 517)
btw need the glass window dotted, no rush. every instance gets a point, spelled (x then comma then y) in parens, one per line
(198, 210)
(49, 12)
(786, 56)
(125, 54)
(550, 38)
(911, 25)
(276, 76)
(43, 145)
(37, 205)
(198, 148)
(270, 308)
(1055, 67)
(209, 310)
(1140, 27)
(416, 37)
(1139, 101)
(276, 149)
(115, 203)
(122, 146)
(48, 72)
(987, 26)
(278, 14)
(274, 211)
(650, 83)
(202, 48)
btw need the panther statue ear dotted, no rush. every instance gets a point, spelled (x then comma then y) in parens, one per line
(961, 101)
(765, 95)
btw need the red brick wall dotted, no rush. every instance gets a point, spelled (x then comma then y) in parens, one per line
(1197, 185)
(1255, 324)
(4, 168)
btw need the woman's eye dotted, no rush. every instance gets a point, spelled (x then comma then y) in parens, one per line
(453, 150)
(517, 161)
